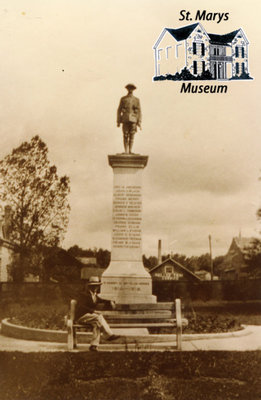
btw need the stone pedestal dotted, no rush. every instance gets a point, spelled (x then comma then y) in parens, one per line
(125, 280)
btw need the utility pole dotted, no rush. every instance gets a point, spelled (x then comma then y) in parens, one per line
(211, 260)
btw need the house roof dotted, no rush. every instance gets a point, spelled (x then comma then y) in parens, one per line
(182, 33)
(243, 243)
(223, 39)
(229, 270)
(87, 260)
(178, 264)
(202, 272)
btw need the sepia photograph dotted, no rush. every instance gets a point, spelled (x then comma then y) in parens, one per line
(130, 214)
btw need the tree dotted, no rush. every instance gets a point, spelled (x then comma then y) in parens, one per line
(103, 258)
(252, 255)
(38, 199)
(203, 262)
(218, 265)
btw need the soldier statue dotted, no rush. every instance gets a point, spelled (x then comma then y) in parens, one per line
(129, 115)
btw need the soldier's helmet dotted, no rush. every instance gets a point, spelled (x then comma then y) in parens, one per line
(130, 86)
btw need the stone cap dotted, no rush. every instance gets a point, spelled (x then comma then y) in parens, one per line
(128, 160)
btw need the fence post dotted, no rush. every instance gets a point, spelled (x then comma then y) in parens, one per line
(72, 343)
(179, 323)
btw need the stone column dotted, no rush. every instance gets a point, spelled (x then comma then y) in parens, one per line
(125, 280)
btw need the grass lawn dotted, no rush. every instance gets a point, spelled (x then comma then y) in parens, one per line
(131, 376)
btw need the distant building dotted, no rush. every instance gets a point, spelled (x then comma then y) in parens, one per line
(224, 56)
(87, 260)
(235, 265)
(7, 248)
(89, 267)
(86, 272)
(205, 275)
(6, 257)
(172, 270)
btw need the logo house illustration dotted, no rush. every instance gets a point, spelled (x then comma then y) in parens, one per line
(190, 51)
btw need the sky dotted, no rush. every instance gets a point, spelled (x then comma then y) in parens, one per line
(64, 65)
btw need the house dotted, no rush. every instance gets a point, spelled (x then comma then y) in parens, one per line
(89, 267)
(88, 271)
(87, 260)
(235, 264)
(7, 248)
(172, 270)
(205, 275)
(225, 56)
(6, 257)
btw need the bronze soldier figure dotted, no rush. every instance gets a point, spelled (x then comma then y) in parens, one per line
(129, 115)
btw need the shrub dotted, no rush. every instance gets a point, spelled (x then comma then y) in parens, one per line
(244, 75)
(184, 75)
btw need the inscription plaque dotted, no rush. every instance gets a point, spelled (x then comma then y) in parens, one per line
(127, 217)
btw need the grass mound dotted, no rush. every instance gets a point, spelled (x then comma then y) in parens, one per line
(128, 376)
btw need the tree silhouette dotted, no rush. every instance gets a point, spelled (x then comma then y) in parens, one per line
(38, 199)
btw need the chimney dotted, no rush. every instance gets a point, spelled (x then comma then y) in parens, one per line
(159, 252)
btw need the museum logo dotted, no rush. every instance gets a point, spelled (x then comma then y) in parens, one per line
(190, 53)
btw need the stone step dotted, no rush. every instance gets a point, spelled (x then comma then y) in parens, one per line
(140, 318)
(143, 325)
(148, 306)
(140, 314)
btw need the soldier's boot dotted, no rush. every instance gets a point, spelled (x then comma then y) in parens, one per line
(126, 147)
(131, 145)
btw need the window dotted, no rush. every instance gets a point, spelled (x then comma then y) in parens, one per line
(169, 269)
(237, 68)
(243, 52)
(237, 52)
(243, 68)
(202, 49)
(177, 50)
(217, 51)
(203, 66)
(195, 69)
(159, 54)
(168, 51)
(194, 48)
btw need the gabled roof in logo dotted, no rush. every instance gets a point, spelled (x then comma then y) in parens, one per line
(184, 32)
(223, 39)
(180, 33)
(227, 38)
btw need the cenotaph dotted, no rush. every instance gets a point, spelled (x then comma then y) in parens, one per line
(126, 280)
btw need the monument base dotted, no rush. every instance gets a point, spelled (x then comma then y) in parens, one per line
(125, 280)
(131, 287)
